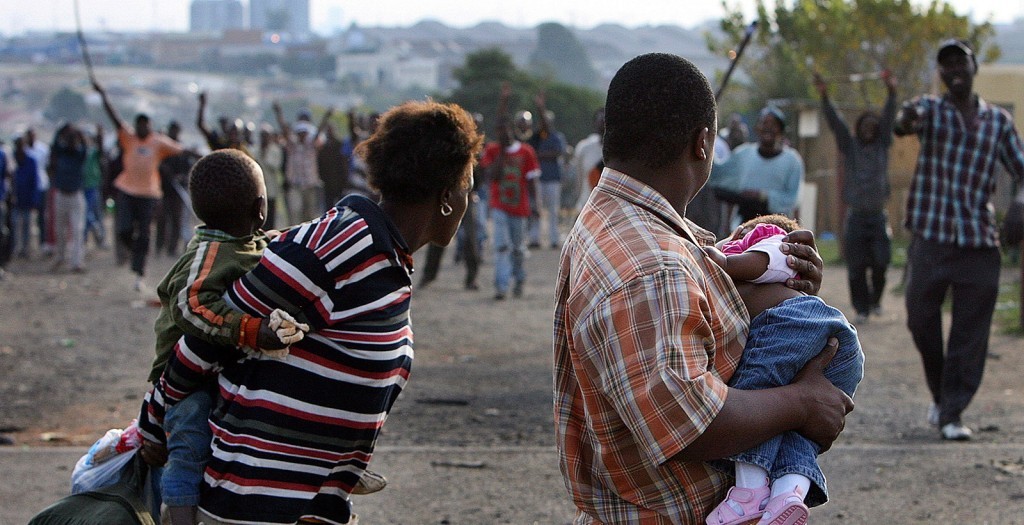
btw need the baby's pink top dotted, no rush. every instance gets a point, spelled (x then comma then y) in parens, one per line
(759, 233)
(765, 238)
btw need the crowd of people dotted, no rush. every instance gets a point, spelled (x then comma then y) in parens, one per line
(59, 198)
(694, 380)
(136, 184)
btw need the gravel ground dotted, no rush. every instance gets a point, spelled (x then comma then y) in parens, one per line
(470, 441)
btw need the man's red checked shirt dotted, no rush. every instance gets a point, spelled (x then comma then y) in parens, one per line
(647, 331)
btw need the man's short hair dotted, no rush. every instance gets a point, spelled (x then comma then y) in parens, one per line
(223, 185)
(656, 105)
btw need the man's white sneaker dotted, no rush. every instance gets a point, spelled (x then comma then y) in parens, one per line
(933, 415)
(956, 432)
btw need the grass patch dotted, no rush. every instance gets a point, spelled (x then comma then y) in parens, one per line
(1007, 314)
(1008, 304)
(828, 248)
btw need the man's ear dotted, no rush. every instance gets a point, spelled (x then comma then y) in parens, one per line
(703, 144)
(258, 209)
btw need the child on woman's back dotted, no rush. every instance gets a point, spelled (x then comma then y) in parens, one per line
(229, 197)
(787, 329)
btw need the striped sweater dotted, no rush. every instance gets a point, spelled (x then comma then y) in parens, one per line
(291, 437)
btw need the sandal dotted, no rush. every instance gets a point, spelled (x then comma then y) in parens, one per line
(785, 509)
(750, 502)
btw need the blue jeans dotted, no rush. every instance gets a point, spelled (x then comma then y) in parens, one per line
(21, 220)
(782, 340)
(551, 195)
(94, 216)
(187, 424)
(509, 252)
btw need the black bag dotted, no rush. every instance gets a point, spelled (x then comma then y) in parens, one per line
(119, 504)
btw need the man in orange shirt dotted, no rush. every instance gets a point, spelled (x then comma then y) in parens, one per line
(138, 184)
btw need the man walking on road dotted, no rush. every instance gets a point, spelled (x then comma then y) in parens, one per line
(955, 239)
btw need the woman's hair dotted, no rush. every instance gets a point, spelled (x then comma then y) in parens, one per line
(786, 223)
(419, 149)
(223, 185)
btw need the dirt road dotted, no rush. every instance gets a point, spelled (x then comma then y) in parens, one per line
(470, 441)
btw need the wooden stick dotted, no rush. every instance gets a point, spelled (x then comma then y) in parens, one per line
(83, 45)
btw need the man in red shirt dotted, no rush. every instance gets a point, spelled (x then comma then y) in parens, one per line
(513, 168)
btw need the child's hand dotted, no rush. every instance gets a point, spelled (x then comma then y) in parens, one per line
(153, 453)
(288, 330)
(278, 332)
(271, 234)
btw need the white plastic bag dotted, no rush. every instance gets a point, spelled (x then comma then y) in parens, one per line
(102, 465)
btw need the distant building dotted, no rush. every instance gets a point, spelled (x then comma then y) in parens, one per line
(397, 65)
(216, 16)
(280, 16)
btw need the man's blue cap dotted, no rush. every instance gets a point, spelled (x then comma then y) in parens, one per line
(775, 112)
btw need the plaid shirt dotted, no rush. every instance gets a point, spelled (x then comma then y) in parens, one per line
(647, 331)
(950, 194)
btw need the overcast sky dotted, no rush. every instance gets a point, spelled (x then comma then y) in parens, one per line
(18, 16)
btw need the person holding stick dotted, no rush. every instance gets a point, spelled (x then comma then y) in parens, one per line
(138, 184)
(513, 171)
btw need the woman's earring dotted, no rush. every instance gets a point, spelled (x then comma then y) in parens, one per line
(446, 209)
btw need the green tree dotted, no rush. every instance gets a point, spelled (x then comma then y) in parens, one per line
(66, 105)
(480, 81)
(560, 55)
(483, 74)
(840, 38)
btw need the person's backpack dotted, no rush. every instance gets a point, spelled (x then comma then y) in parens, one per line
(119, 504)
